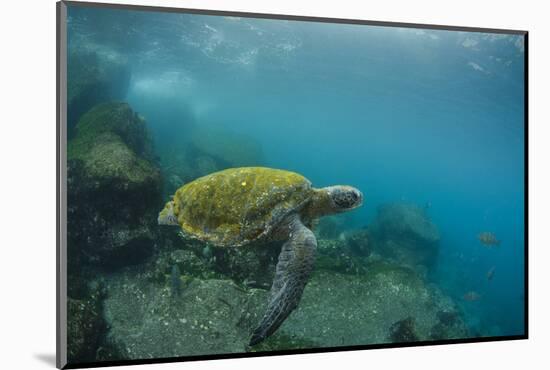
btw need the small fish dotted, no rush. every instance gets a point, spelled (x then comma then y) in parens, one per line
(472, 296)
(175, 280)
(488, 239)
(491, 273)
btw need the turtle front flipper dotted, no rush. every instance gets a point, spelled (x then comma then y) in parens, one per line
(293, 269)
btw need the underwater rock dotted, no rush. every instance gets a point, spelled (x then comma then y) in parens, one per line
(217, 316)
(403, 331)
(113, 141)
(336, 255)
(175, 281)
(450, 326)
(207, 317)
(342, 309)
(358, 242)
(253, 266)
(93, 78)
(113, 188)
(187, 261)
(85, 326)
(404, 233)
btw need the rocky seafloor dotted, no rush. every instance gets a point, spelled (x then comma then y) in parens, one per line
(387, 304)
(138, 291)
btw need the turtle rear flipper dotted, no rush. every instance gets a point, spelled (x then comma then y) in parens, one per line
(293, 269)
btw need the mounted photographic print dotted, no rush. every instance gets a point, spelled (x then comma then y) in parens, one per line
(234, 184)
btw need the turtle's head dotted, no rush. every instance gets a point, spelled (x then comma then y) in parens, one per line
(167, 216)
(344, 198)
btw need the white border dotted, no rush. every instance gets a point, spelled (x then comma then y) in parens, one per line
(27, 152)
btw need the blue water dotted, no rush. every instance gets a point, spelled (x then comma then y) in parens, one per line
(422, 116)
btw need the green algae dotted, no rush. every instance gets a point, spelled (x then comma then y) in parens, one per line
(113, 146)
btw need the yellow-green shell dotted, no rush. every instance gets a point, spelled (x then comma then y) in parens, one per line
(239, 205)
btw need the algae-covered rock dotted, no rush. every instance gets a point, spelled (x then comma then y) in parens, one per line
(446, 326)
(342, 309)
(358, 242)
(93, 78)
(336, 255)
(187, 261)
(253, 266)
(113, 188)
(405, 233)
(403, 331)
(115, 148)
(85, 326)
(210, 316)
(207, 317)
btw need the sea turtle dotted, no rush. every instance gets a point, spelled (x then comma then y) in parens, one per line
(238, 206)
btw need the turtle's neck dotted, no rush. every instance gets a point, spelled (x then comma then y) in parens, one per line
(319, 205)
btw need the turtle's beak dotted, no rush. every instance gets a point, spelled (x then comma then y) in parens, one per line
(359, 196)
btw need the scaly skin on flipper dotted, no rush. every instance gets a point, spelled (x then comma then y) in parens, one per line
(293, 269)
